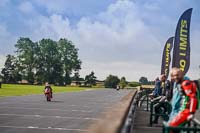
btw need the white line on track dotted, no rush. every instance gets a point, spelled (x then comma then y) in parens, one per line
(11, 103)
(86, 106)
(88, 89)
(47, 109)
(58, 117)
(42, 128)
(31, 127)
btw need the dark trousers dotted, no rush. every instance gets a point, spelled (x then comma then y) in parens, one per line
(160, 108)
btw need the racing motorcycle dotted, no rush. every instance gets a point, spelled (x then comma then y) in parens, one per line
(47, 93)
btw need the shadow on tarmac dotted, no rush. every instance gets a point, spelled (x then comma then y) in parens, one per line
(57, 101)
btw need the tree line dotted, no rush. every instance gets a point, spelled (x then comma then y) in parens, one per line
(112, 81)
(56, 62)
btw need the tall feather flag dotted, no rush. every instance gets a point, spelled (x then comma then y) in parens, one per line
(181, 52)
(166, 57)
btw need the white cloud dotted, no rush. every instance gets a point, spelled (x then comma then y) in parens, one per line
(52, 6)
(119, 29)
(4, 33)
(53, 27)
(126, 39)
(75, 8)
(6, 40)
(115, 35)
(6, 44)
(4, 2)
(26, 7)
(152, 6)
(131, 70)
(118, 36)
(2, 61)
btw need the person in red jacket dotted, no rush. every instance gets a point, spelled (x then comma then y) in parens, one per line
(47, 86)
(184, 101)
(189, 106)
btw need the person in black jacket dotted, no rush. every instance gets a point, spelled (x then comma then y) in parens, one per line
(163, 106)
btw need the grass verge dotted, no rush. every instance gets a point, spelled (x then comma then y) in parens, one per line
(19, 90)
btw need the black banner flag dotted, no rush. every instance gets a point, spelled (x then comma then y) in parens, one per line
(181, 52)
(166, 57)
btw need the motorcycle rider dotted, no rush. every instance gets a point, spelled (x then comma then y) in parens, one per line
(47, 86)
(184, 100)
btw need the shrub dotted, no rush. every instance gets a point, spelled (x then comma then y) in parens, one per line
(134, 84)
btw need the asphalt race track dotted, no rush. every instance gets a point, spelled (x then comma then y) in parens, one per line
(69, 112)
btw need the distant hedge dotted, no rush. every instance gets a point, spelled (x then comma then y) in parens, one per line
(134, 84)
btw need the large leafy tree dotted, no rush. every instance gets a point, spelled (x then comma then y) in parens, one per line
(49, 63)
(143, 80)
(123, 82)
(76, 77)
(10, 72)
(69, 58)
(45, 60)
(90, 79)
(111, 81)
(26, 55)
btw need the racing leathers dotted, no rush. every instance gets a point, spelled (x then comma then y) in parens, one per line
(184, 103)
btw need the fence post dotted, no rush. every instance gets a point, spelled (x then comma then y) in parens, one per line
(147, 101)
(151, 111)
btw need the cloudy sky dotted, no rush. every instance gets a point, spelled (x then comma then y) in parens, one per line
(119, 37)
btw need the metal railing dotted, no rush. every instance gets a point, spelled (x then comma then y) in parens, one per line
(129, 120)
(190, 127)
(164, 114)
(127, 126)
(143, 97)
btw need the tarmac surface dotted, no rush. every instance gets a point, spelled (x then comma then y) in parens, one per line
(70, 112)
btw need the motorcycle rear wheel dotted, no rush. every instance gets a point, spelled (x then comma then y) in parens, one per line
(48, 98)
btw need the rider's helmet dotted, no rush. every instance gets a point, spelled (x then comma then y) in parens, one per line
(47, 84)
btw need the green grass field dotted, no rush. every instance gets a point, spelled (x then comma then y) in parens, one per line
(19, 90)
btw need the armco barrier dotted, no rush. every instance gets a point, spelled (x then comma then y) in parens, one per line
(127, 127)
(136, 99)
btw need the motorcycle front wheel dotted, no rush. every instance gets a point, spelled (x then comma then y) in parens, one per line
(48, 97)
